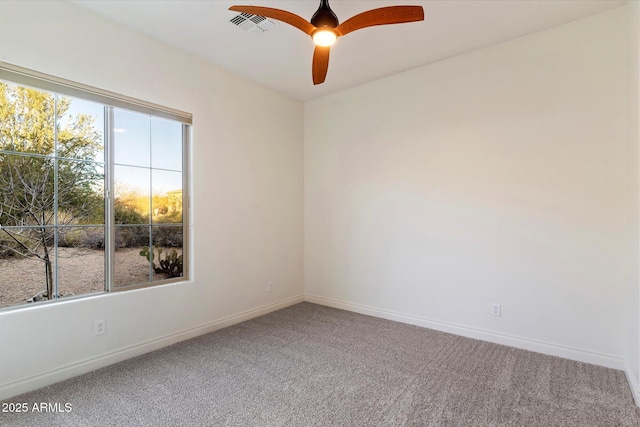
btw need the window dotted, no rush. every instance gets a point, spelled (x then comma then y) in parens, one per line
(93, 191)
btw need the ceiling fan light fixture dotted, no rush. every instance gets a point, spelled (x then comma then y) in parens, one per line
(324, 27)
(324, 37)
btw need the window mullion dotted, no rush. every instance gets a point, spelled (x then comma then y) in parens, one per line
(109, 223)
(186, 191)
(55, 199)
(151, 242)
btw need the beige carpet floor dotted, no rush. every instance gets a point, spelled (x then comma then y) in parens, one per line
(309, 365)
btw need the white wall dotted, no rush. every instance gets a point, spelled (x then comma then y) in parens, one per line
(247, 196)
(500, 175)
(633, 300)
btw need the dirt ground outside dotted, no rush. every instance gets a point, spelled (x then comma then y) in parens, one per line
(80, 272)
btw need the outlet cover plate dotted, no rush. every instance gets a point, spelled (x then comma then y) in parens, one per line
(496, 310)
(100, 327)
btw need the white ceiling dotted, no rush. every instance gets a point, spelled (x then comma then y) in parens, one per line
(281, 58)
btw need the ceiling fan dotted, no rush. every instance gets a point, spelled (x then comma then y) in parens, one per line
(324, 27)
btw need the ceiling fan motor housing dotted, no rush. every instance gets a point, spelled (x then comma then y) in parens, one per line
(324, 16)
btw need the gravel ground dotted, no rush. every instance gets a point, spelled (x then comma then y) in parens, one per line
(81, 271)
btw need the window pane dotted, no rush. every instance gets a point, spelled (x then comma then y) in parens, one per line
(167, 196)
(26, 190)
(80, 193)
(80, 260)
(27, 119)
(27, 263)
(167, 243)
(131, 132)
(166, 144)
(131, 268)
(132, 195)
(80, 129)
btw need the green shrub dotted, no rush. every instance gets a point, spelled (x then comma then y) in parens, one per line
(86, 237)
(132, 237)
(13, 243)
(167, 237)
(127, 214)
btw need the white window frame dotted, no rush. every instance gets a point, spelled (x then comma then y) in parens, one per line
(22, 76)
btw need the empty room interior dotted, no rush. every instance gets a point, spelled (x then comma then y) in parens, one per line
(206, 218)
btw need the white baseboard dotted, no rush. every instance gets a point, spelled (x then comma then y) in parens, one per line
(607, 360)
(35, 382)
(633, 383)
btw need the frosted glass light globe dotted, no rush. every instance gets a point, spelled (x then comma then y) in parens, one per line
(324, 38)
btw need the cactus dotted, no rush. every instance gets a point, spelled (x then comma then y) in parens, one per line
(171, 264)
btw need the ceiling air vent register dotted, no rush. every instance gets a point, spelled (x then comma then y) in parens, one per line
(253, 24)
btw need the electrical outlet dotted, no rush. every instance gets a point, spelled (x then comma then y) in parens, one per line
(100, 327)
(270, 287)
(496, 310)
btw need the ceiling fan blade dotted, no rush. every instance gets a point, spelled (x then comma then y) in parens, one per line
(280, 15)
(382, 16)
(320, 64)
